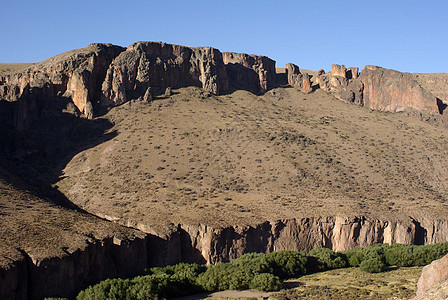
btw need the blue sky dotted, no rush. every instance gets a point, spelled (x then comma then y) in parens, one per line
(410, 36)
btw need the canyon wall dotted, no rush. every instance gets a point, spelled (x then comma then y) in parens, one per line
(25, 276)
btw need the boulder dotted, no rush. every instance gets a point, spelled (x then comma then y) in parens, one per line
(255, 73)
(306, 84)
(433, 275)
(148, 95)
(298, 80)
(161, 65)
(168, 92)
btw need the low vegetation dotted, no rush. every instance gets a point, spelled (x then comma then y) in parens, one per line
(263, 272)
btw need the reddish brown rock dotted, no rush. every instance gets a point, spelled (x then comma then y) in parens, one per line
(390, 90)
(75, 74)
(432, 275)
(352, 73)
(378, 89)
(161, 65)
(255, 73)
(338, 70)
(306, 84)
(298, 80)
(292, 71)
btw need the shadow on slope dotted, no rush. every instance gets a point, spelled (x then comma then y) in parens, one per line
(39, 136)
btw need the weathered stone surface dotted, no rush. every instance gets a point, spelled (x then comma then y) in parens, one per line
(148, 95)
(255, 73)
(168, 92)
(75, 74)
(379, 89)
(433, 275)
(338, 70)
(298, 80)
(292, 71)
(390, 90)
(306, 83)
(352, 72)
(161, 65)
(439, 292)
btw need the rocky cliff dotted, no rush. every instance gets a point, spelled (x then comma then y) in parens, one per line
(298, 80)
(76, 75)
(255, 73)
(160, 65)
(379, 89)
(48, 250)
(207, 244)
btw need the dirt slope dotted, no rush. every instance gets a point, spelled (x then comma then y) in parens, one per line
(241, 159)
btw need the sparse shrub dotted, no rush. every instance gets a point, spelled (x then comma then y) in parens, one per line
(266, 282)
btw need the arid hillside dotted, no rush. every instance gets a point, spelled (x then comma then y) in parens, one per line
(241, 159)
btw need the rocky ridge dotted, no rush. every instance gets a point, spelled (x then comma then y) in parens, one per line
(379, 89)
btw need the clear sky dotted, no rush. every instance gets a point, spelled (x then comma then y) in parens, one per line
(410, 36)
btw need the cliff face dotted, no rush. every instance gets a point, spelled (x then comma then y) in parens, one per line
(160, 65)
(255, 73)
(378, 89)
(76, 75)
(25, 275)
(206, 244)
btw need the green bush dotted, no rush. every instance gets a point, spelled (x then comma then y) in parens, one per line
(372, 265)
(266, 282)
(235, 275)
(287, 264)
(354, 257)
(326, 259)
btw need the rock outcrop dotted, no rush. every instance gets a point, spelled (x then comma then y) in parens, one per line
(379, 89)
(296, 79)
(207, 244)
(255, 73)
(433, 275)
(160, 65)
(76, 75)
